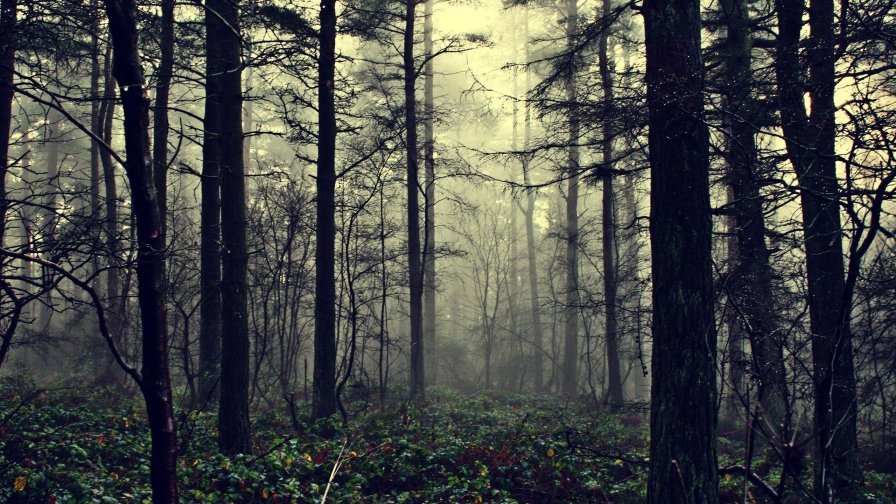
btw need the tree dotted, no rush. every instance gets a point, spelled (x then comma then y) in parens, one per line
(160, 110)
(8, 13)
(683, 398)
(415, 273)
(155, 381)
(429, 162)
(608, 226)
(810, 139)
(529, 216)
(233, 414)
(570, 384)
(324, 401)
(750, 281)
(210, 229)
(105, 125)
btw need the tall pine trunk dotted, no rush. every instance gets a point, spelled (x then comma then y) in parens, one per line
(570, 383)
(324, 397)
(233, 412)
(429, 162)
(683, 417)
(8, 13)
(531, 251)
(415, 274)
(210, 226)
(608, 226)
(751, 275)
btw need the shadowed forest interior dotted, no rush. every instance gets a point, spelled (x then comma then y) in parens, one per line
(447, 251)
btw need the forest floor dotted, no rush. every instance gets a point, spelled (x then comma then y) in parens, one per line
(69, 444)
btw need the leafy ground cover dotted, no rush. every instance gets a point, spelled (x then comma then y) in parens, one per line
(71, 445)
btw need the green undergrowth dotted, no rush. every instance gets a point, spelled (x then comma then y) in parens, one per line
(80, 446)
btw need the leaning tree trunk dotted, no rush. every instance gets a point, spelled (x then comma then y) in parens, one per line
(683, 417)
(810, 141)
(324, 398)
(156, 382)
(233, 412)
(415, 274)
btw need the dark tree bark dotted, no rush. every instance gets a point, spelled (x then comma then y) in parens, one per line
(160, 126)
(570, 383)
(233, 407)
(750, 281)
(608, 226)
(8, 32)
(683, 417)
(415, 273)
(810, 141)
(324, 401)
(8, 9)
(156, 382)
(210, 228)
(429, 162)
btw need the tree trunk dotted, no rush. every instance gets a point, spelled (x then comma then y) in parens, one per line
(810, 142)
(110, 186)
(233, 413)
(210, 227)
(531, 251)
(736, 358)
(324, 399)
(96, 129)
(160, 111)
(608, 227)
(629, 257)
(247, 128)
(102, 363)
(8, 13)
(156, 382)
(429, 259)
(571, 315)
(415, 276)
(751, 274)
(683, 401)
